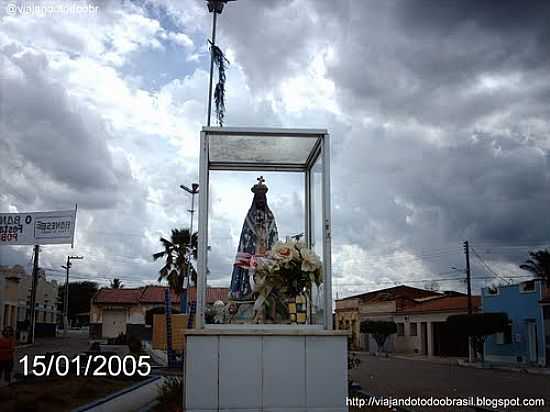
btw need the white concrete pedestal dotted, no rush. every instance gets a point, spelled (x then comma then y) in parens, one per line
(265, 370)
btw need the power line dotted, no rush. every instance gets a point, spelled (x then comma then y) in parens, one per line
(487, 266)
(120, 234)
(544, 243)
(435, 279)
(402, 281)
(412, 255)
(84, 275)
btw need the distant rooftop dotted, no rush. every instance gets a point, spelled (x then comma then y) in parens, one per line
(445, 303)
(152, 295)
(393, 293)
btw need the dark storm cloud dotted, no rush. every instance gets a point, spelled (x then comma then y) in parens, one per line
(398, 58)
(270, 38)
(499, 16)
(449, 104)
(429, 197)
(52, 146)
(398, 63)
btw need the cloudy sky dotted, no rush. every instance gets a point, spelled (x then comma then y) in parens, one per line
(439, 114)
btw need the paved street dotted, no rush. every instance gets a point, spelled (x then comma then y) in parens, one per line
(77, 341)
(403, 378)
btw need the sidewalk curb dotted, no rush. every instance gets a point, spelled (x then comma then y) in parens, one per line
(434, 360)
(26, 345)
(531, 371)
(461, 363)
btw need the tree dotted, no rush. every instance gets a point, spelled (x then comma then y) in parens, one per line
(116, 283)
(379, 329)
(478, 326)
(80, 296)
(538, 264)
(178, 252)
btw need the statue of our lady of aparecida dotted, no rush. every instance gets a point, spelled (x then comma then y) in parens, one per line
(258, 235)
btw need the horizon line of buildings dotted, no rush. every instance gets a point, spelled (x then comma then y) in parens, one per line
(420, 316)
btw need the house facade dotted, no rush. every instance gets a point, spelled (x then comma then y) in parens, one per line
(525, 340)
(422, 327)
(15, 301)
(420, 316)
(130, 311)
(375, 305)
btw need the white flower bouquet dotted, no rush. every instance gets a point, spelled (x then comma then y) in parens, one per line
(290, 270)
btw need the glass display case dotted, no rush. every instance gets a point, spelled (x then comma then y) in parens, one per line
(275, 283)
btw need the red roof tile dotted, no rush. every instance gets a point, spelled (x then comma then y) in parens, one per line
(154, 294)
(122, 296)
(393, 293)
(445, 304)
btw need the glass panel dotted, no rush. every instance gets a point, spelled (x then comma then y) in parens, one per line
(242, 233)
(260, 149)
(317, 307)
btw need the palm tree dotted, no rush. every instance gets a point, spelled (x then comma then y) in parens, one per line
(178, 251)
(538, 264)
(116, 284)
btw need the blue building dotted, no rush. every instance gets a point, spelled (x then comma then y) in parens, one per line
(524, 341)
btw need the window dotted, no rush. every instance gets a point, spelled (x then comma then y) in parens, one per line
(400, 329)
(527, 287)
(413, 330)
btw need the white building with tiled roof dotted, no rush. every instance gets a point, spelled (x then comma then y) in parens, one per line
(129, 311)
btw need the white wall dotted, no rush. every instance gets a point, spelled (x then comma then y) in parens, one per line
(408, 343)
(266, 372)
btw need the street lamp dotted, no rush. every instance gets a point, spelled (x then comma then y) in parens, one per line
(193, 191)
(216, 6)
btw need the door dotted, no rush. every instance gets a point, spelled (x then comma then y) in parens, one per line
(424, 338)
(114, 323)
(532, 341)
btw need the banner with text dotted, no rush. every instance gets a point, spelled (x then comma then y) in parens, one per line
(37, 228)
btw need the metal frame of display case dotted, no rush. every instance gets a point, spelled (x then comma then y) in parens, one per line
(320, 149)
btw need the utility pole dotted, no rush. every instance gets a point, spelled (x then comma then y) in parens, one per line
(193, 191)
(34, 285)
(468, 276)
(469, 288)
(66, 297)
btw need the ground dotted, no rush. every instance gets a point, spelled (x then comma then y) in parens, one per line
(76, 341)
(404, 377)
(56, 393)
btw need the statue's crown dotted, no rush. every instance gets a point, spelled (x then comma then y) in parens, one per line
(259, 187)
